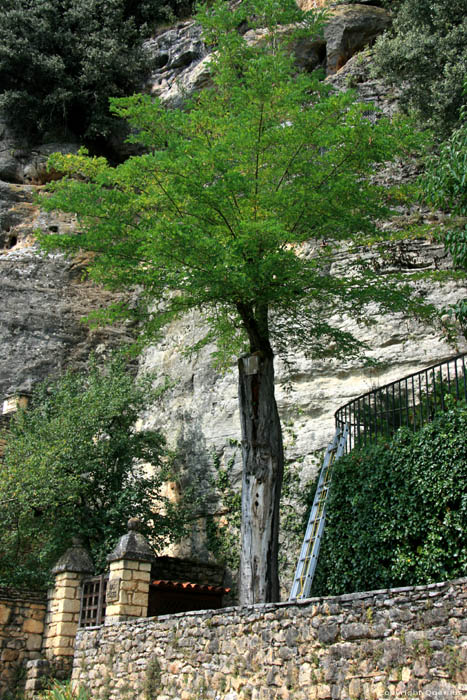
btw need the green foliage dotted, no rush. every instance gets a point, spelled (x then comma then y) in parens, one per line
(63, 691)
(60, 61)
(223, 530)
(444, 186)
(426, 56)
(73, 465)
(397, 512)
(222, 206)
(445, 180)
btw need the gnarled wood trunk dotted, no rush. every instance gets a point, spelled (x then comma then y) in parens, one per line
(263, 462)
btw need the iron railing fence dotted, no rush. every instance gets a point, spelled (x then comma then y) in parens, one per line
(411, 401)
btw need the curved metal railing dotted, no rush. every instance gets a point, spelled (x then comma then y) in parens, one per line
(411, 401)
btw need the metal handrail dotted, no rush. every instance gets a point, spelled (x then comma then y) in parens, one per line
(410, 401)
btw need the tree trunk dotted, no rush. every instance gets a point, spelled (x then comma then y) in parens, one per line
(263, 463)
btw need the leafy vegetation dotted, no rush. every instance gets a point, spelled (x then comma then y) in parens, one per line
(74, 466)
(63, 691)
(236, 209)
(397, 512)
(445, 186)
(60, 61)
(425, 55)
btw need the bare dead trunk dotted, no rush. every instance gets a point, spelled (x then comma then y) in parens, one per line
(263, 463)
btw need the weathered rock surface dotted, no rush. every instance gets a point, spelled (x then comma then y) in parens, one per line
(22, 163)
(351, 28)
(183, 61)
(43, 299)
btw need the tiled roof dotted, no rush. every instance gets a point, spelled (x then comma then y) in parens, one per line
(189, 587)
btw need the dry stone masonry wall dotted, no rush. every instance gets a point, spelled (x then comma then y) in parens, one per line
(22, 617)
(406, 642)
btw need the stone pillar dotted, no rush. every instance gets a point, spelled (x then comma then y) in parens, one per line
(64, 606)
(130, 575)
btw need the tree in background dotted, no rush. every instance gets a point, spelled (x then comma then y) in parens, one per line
(237, 209)
(425, 54)
(61, 60)
(75, 465)
(444, 186)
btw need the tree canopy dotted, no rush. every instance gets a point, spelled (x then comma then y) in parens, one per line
(222, 206)
(74, 465)
(237, 208)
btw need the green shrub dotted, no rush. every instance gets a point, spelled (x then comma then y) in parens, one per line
(74, 466)
(444, 186)
(425, 55)
(63, 691)
(397, 512)
(60, 61)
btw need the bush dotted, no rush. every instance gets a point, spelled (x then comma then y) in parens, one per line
(60, 61)
(444, 185)
(397, 512)
(426, 56)
(63, 691)
(74, 466)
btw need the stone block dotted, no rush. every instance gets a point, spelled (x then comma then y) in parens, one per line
(355, 688)
(34, 642)
(66, 592)
(67, 617)
(142, 587)
(124, 565)
(66, 629)
(4, 614)
(142, 576)
(33, 626)
(112, 610)
(68, 578)
(70, 605)
(405, 674)
(324, 692)
(10, 654)
(327, 633)
(140, 599)
(60, 651)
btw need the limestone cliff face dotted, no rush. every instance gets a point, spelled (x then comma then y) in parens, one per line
(43, 299)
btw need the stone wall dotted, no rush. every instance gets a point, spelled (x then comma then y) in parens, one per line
(406, 642)
(21, 628)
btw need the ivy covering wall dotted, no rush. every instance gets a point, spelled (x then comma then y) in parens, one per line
(397, 512)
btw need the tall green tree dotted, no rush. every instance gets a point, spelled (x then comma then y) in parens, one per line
(237, 209)
(74, 466)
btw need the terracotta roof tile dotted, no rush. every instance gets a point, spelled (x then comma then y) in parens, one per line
(189, 587)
